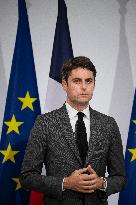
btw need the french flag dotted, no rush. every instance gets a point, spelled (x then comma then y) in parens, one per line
(62, 50)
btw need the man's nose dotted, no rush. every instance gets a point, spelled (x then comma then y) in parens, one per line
(83, 85)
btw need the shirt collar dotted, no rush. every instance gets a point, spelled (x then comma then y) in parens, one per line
(72, 112)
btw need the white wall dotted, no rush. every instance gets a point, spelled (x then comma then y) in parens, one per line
(99, 31)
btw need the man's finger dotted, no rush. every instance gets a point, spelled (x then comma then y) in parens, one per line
(87, 190)
(91, 170)
(82, 171)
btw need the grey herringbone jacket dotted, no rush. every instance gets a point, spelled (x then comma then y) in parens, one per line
(52, 142)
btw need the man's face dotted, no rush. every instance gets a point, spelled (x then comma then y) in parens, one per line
(79, 87)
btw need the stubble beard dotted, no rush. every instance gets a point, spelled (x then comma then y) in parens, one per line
(77, 104)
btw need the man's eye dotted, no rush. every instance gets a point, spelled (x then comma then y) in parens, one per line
(89, 81)
(76, 81)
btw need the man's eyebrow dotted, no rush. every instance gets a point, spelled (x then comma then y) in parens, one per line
(89, 78)
(76, 78)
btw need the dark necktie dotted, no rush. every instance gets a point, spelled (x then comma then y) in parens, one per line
(81, 137)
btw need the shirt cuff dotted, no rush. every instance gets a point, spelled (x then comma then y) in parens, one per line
(105, 184)
(63, 184)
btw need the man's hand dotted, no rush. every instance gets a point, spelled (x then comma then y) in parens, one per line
(96, 181)
(83, 180)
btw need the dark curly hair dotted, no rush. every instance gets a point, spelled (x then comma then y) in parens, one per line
(73, 63)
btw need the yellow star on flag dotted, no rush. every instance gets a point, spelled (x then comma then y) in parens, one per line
(18, 186)
(134, 121)
(13, 125)
(27, 101)
(8, 154)
(133, 151)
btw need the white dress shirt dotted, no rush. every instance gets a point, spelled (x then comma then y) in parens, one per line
(74, 117)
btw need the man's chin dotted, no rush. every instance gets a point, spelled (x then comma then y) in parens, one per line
(83, 102)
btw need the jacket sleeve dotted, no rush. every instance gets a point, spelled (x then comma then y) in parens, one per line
(31, 178)
(115, 163)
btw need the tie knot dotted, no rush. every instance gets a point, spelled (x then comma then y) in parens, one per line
(80, 115)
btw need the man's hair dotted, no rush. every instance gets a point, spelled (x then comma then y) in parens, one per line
(73, 63)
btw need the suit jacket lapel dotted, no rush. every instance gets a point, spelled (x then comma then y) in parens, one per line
(68, 132)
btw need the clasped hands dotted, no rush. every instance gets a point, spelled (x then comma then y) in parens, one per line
(84, 180)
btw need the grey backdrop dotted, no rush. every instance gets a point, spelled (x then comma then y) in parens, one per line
(103, 30)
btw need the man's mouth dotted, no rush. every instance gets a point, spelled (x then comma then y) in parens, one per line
(84, 94)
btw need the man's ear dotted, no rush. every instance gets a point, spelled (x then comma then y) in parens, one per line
(64, 85)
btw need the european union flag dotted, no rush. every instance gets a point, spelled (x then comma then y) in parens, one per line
(22, 107)
(128, 196)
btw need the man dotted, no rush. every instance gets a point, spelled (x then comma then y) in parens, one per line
(76, 144)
